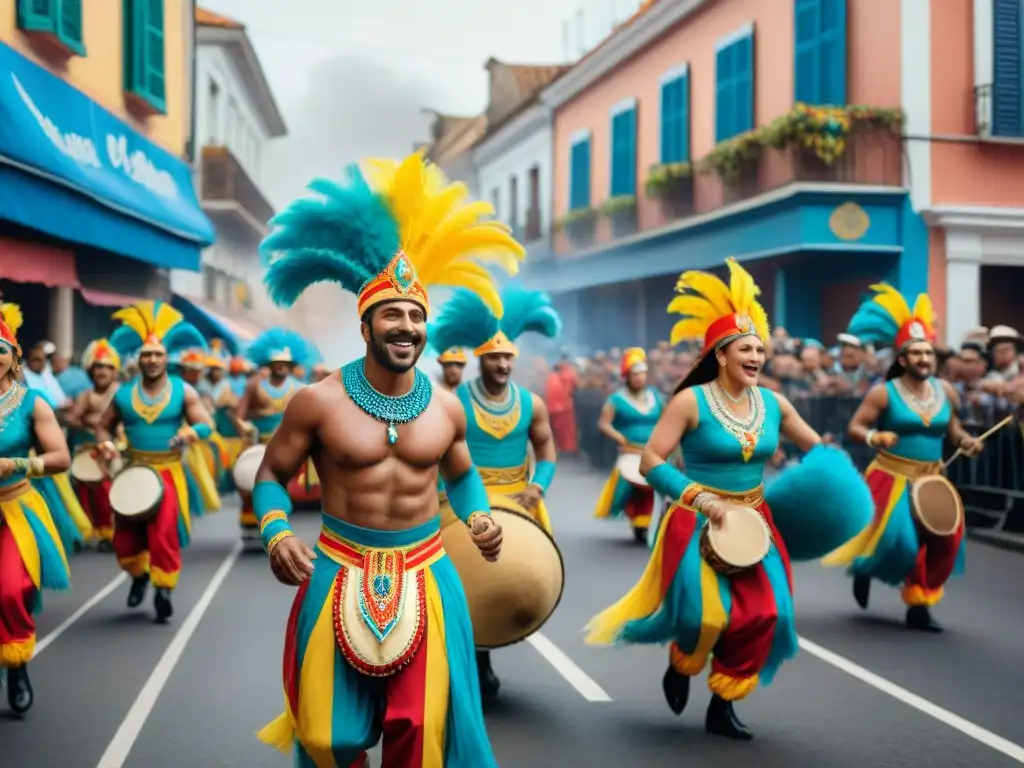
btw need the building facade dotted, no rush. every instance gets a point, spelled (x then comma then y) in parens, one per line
(685, 138)
(236, 117)
(96, 199)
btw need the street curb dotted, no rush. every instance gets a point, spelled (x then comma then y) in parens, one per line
(1007, 541)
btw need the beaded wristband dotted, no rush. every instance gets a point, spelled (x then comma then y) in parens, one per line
(271, 505)
(272, 517)
(869, 438)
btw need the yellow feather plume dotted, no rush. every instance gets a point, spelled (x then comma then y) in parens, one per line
(13, 317)
(705, 298)
(892, 301)
(924, 311)
(149, 317)
(440, 230)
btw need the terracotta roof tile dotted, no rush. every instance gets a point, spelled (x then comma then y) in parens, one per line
(205, 18)
(533, 77)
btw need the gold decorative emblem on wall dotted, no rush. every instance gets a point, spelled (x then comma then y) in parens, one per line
(849, 222)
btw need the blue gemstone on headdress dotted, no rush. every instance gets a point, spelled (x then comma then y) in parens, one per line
(403, 273)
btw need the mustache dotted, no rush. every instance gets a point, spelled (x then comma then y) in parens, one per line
(396, 338)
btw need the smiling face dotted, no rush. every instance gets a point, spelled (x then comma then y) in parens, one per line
(152, 364)
(452, 373)
(495, 369)
(741, 360)
(918, 360)
(395, 334)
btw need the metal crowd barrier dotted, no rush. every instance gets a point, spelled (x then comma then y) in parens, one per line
(992, 484)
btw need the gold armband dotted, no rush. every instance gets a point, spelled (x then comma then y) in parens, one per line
(690, 494)
(869, 438)
(272, 517)
(277, 540)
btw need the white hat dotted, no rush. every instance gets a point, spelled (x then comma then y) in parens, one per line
(1003, 333)
(849, 340)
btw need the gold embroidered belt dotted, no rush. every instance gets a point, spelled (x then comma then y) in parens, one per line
(154, 458)
(752, 498)
(911, 468)
(13, 491)
(503, 475)
(379, 602)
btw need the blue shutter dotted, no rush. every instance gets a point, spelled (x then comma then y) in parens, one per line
(623, 181)
(725, 103)
(1006, 68)
(744, 87)
(70, 29)
(579, 175)
(832, 52)
(37, 15)
(629, 161)
(144, 65)
(807, 72)
(675, 120)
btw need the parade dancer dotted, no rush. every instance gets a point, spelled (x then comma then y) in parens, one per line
(32, 556)
(627, 419)
(453, 366)
(103, 365)
(224, 391)
(160, 414)
(504, 419)
(206, 458)
(398, 663)
(728, 428)
(262, 406)
(907, 419)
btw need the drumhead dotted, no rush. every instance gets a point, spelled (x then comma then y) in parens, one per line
(246, 466)
(85, 469)
(743, 539)
(937, 505)
(629, 469)
(136, 490)
(510, 599)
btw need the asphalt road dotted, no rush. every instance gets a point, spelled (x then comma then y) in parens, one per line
(113, 689)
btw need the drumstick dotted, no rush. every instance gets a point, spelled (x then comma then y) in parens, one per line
(981, 439)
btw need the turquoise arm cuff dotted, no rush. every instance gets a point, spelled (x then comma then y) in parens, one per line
(203, 431)
(543, 475)
(668, 481)
(467, 495)
(272, 506)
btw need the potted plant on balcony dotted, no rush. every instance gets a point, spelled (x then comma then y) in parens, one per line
(621, 214)
(735, 161)
(672, 184)
(579, 226)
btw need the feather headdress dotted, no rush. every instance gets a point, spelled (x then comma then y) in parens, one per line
(466, 322)
(886, 319)
(716, 312)
(11, 320)
(411, 230)
(279, 345)
(153, 326)
(101, 352)
(633, 358)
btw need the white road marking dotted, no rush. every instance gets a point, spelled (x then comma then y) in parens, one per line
(566, 667)
(998, 743)
(87, 606)
(121, 745)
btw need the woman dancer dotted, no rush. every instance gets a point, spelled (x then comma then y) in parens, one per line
(31, 554)
(728, 429)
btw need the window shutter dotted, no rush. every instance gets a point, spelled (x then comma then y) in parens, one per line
(37, 15)
(579, 175)
(1006, 68)
(683, 121)
(744, 62)
(725, 109)
(832, 52)
(153, 33)
(71, 32)
(806, 74)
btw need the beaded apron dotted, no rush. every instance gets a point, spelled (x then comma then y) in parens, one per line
(380, 601)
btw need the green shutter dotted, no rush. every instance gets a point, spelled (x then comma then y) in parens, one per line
(144, 51)
(37, 15)
(70, 31)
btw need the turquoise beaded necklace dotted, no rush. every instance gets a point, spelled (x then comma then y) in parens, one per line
(390, 410)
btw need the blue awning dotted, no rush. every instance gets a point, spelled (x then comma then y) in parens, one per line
(213, 325)
(72, 170)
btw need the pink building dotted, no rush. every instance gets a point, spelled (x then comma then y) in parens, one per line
(683, 139)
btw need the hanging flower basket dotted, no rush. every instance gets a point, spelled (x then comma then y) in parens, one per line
(621, 213)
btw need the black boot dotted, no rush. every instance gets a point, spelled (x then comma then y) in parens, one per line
(162, 604)
(19, 690)
(137, 593)
(489, 682)
(676, 688)
(862, 590)
(721, 720)
(640, 535)
(920, 618)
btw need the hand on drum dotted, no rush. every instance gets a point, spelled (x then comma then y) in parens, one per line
(292, 561)
(486, 534)
(7, 468)
(107, 453)
(529, 497)
(715, 511)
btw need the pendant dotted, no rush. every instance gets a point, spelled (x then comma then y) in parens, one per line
(748, 444)
(392, 434)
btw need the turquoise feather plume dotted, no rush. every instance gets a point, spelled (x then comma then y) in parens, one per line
(347, 236)
(263, 347)
(464, 321)
(873, 324)
(528, 311)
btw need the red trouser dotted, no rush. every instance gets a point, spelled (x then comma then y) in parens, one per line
(153, 546)
(17, 597)
(936, 560)
(95, 500)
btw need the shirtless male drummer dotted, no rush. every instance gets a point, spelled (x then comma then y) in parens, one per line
(379, 643)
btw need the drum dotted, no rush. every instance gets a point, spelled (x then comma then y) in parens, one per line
(136, 492)
(85, 469)
(628, 466)
(246, 466)
(742, 541)
(937, 505)
(509, 599)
